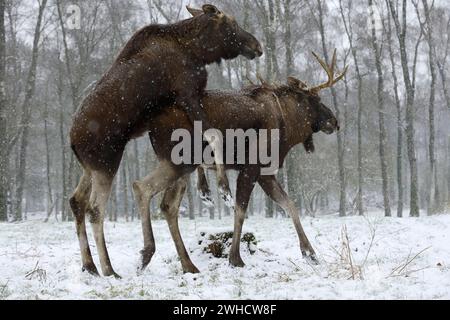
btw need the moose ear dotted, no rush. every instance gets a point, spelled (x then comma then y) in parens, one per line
(209, 8)
(194, 12)
(295, 83)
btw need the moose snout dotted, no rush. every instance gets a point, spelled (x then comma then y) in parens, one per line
(330, 126)
(258, 50)
(251, 48)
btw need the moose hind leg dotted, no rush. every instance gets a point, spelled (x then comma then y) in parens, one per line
(274, 190)
(78, 203)
(101, 189)
(245, 185)
(160, 179)
(170, 207)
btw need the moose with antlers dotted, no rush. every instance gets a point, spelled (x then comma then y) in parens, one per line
(160, 66)
(294, 108)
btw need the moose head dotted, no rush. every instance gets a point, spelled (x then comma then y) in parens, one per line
(323, 118)
(220, 36)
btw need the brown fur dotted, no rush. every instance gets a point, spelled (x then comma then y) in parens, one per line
(295, 111)
(159, 66)
(302, 115)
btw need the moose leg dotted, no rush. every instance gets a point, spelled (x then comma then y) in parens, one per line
(79, 202)
(101, 189)
(245, 185)
(274, 190)
(215, 140)
(170, 207)
(165, 175)
(203, 187)
(193, 108)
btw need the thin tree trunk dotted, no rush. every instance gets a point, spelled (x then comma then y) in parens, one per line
(125, 186)
(349, 31)
(340, 142)
(288, 38)
(400, 191)
(50, 202)
(380, 101)
(4, 158)
(190, 198)
(433, 190)
(26, 114)
(62, 138)
(410, 110)
(448, 173)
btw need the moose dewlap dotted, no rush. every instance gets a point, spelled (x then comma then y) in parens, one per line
(218, 243)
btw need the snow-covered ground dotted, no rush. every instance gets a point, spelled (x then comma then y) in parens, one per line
(390, 259)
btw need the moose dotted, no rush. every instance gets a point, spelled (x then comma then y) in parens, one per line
(294, 108)
(161, 65)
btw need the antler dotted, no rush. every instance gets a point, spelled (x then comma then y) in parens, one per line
(330, 70)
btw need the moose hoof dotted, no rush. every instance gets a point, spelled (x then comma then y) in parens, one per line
(146, 257)
(112, 273)
(237, 262)
(228, 199)
(191, 269)
(91, 269)
(207, 200)
(311, 257)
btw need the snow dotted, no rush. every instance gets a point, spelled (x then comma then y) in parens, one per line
(392, 258)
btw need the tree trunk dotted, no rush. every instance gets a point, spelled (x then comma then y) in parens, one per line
(4, 158)
(410, 110)
(340, 142)
(433, 200)
(125, 187)
(50, 201)
(380, 101)
(400, 191)
(26, 114)
(288, 38)
(190, 197)
(349, 31)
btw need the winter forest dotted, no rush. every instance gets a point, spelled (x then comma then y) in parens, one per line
(381, 182)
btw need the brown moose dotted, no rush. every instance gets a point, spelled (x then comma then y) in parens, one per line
(161, 65)
(294, 109)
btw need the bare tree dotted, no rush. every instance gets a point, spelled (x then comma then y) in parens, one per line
(377, 52)
(340, 141)
(427, 29)
(401, 28)
(4, 159)
(400, 189)
(348, 25)
(26, 113)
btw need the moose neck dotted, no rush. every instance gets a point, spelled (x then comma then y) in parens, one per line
(297, 121)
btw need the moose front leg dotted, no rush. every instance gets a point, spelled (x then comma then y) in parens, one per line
(203, 187)
(273, 189)
(245, 184)
(194, 109)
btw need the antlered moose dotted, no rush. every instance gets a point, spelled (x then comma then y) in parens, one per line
(295, 109)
